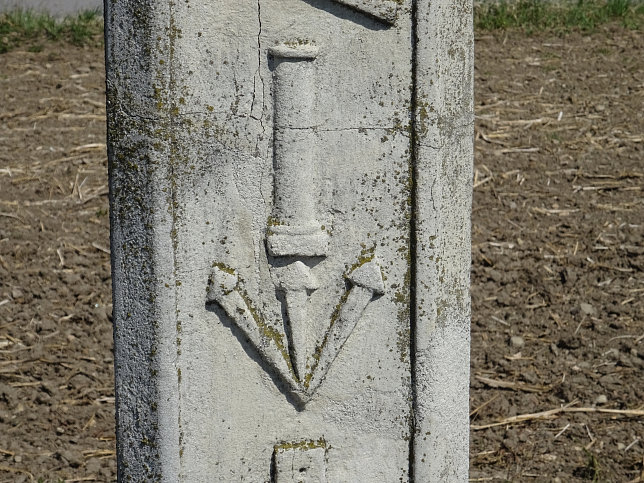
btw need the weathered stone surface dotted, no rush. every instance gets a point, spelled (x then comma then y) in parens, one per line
(290, 188)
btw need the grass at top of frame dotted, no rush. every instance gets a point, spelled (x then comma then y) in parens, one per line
(563, 15)
(21, 27)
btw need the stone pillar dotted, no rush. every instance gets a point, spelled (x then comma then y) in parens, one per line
(290, 199)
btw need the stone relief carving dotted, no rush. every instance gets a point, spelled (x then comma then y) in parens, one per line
(303, 378)
(301, 462)
(295, 242)
(384, 10)
(295, 232)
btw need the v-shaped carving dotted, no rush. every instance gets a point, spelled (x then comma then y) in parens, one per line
(226, 290)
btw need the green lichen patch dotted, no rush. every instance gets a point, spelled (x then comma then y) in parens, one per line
(366, 255)
(307, 444)
(224, 268)
(268, 331)
(335, 315)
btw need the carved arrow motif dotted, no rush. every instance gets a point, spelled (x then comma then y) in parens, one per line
(226, 290)
(295, 236)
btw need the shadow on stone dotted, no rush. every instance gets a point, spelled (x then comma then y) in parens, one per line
(256, 356)
(347, 13)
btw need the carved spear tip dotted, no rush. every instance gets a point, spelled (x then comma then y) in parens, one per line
(296, 277)
(369, 276)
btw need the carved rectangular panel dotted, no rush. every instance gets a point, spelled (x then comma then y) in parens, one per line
(302, 462)
(294, 267)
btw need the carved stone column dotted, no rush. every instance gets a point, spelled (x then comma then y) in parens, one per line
(290, 198)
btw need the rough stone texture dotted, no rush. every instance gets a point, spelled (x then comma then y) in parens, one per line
(444, 116)
(290, 189)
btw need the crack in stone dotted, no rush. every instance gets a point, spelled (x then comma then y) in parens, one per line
(431, 146)
(124, 113)
(258, 75)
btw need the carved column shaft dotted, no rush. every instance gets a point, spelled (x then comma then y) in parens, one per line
(294, 138)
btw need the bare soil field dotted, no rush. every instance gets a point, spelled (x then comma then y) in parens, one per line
(557, 274)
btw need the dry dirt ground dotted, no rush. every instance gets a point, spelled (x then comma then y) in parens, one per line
(557, 275)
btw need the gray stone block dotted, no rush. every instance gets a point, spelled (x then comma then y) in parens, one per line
(290, 200)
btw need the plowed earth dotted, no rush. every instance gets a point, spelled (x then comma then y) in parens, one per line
(557, 274)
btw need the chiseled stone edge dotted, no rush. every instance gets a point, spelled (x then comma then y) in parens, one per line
(443, 152)
(384, 10)
(142, 241)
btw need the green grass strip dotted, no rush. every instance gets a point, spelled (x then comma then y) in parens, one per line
(563, 15)
(19, 27)
(27, 27)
